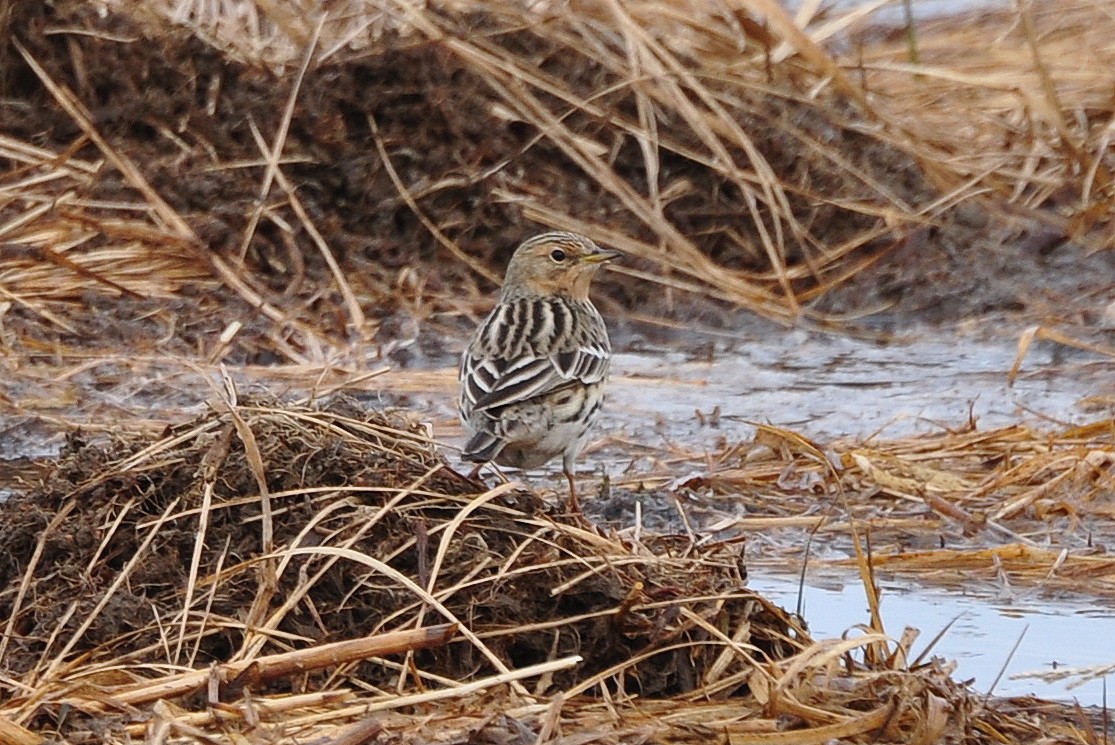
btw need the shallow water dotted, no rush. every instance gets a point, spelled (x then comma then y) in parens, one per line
(828, 386)
(893, 14)
(1068, 632)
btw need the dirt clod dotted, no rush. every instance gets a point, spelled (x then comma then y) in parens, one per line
(121, 537)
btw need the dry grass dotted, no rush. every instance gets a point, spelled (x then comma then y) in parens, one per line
(271, 571)
(1016, 103)
(730, 153)
(1014, 506)
(61, 244)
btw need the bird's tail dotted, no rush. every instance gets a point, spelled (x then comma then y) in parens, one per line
(482, 447)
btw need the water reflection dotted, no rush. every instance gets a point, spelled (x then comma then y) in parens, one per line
(1065, 632)
(827, 387)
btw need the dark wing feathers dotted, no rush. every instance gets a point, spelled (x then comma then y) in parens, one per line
(528, 347)
(519, 383)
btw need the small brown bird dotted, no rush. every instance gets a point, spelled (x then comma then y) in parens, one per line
(532, 376)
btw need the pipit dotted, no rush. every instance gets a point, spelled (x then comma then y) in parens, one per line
(532, 376)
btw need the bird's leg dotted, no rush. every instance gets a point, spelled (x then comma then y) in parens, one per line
(574, 505)
(474, 474)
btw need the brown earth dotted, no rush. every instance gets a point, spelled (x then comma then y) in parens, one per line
(340, 477)
(183, 110)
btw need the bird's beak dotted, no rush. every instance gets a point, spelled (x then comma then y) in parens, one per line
(600, 255)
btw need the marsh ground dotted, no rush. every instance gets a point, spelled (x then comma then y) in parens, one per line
(845, 369)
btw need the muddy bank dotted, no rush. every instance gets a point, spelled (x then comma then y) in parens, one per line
(357, 527)
(182, 111)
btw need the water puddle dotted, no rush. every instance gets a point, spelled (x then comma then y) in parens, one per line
(827, 387)
(893, 15)
(1055, 634)
(834, 387)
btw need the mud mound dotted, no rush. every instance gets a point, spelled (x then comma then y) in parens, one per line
(762, 189)
(150, 589)
(163, 552)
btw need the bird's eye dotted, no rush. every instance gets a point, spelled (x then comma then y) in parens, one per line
(557, 255)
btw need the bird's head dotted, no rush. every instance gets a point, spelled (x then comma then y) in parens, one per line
(557, 263)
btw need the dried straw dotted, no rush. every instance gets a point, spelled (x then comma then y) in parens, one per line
(733, 155)
(552, 627)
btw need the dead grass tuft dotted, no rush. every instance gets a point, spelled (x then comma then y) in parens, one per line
(1010, 506)
(179, 147)
(265, 538)
(320, 572)
(1017, 102)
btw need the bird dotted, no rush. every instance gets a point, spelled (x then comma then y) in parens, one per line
(532, 376)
